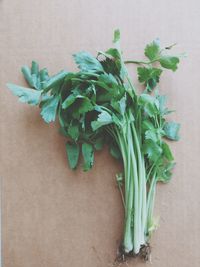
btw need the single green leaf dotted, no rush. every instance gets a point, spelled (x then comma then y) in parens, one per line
(152, 50)
(31, 76)
(171, 130)
(122, 105)
(68, 101)
(112, 64)
(87, 63)
(108, 79)
(152, 135)
(164, 173)
(73, 130)
(149, 76)
(27, 75)
(49, 109)
(147, 125)
(167, 152)
(169, 62)
(88, 156)
(145, 74)
(83, 105)
(35, 68)
(44, 99)
(152, 150)
(54, 80)
(162, 101)
(112, 53)
(149, 103)
(44, 76)
(26, 95)
(104, 118)
(73, 151)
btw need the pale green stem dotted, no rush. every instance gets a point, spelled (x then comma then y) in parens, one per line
(150, 201)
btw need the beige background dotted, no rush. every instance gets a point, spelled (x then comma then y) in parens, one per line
(53, 217)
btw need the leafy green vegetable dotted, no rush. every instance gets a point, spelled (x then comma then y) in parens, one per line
(99, 105)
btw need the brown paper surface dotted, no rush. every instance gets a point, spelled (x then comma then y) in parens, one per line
(52, 216)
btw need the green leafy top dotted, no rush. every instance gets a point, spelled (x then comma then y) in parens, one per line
(98, 99)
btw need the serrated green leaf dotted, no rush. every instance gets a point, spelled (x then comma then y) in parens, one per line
(44, 99)
(113, 53)
(73, 152)
(104, 118)
(149, 103)
(87, 63)
(171, 130)
(88, 156)
(149, 76)
(169, 62)
(49, 109)
(26, 95)
(119, 105)
(112, 64)
(152, 50)
(164, 173)
(152, 150)
(145, 74)
(152, 135)
(84, 105)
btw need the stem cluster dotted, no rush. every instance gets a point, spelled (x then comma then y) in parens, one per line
(137, 201)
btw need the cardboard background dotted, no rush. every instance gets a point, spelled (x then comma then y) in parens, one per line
(53, 217)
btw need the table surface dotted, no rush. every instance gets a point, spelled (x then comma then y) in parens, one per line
(52, 216)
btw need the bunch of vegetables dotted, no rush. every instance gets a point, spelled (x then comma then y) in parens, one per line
(99, 105)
